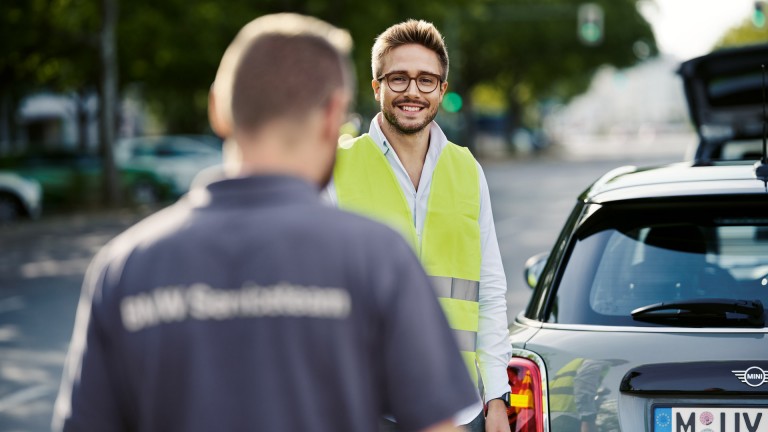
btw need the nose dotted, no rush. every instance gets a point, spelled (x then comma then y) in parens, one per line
(412, 89)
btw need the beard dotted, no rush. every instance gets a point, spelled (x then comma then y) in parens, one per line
(390, 114)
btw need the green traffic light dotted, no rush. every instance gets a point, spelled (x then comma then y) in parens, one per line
(590, 32)
(452, 102)
(758, 19)
(590, 24)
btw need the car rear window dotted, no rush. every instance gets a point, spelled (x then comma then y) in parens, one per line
(737, 89)
(628, 257)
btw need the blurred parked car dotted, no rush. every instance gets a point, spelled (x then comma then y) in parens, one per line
(725, 99)
(19, 197)
(648, 313)
(176, 158)
(71, 180)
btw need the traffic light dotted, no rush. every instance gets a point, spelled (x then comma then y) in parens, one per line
(590, 25)
(452, 102)
(758, 17)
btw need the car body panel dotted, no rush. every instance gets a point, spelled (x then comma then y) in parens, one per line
(19, 197)
(73, 181)
(680, 179)
(620, 351)
(176, 158)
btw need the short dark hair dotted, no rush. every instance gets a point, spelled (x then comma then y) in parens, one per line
(281, 65)
(409, 32)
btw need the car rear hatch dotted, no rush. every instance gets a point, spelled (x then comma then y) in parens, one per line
(725, 100)
(655, 380)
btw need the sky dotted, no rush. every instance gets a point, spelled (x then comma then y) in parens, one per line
(690, 28)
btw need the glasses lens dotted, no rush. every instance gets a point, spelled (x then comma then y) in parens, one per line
(426, 83)
(399, 82)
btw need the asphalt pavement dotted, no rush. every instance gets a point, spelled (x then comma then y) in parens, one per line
(42, 264)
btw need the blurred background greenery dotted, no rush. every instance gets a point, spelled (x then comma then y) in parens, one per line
(511, 60)
(505, 55)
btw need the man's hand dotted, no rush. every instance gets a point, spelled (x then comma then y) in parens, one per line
(496, 419)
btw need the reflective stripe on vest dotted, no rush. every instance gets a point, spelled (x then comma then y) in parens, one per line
(450, 243)
(460, 289)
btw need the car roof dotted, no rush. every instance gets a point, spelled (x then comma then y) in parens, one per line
(724, 94)
(685, 179)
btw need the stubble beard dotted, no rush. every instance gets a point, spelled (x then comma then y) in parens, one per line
(391, 117)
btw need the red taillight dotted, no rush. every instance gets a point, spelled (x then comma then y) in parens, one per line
(526, 413)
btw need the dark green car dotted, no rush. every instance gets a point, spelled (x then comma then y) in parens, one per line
(73, 181)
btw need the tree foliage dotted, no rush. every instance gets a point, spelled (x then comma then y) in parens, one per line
(170, 49)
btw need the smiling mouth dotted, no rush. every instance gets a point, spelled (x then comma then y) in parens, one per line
(410, 108)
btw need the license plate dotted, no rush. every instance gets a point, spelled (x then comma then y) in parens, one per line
(710, 419)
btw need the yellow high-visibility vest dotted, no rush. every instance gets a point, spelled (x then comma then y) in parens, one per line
(450, 243)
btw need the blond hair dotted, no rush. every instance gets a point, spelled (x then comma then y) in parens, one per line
(409, 32)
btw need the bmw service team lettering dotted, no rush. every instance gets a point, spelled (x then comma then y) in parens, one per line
(203, 302)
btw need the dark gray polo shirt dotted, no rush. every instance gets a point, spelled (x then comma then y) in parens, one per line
(250, 306)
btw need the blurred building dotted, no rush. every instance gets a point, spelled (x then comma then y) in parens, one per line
(54, 121)
(635, 103)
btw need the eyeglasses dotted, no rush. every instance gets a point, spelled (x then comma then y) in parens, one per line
(398, 82)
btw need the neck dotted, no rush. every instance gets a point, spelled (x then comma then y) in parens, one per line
(270, 151)
(411, 149)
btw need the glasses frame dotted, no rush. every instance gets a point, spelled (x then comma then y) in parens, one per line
(386, 76)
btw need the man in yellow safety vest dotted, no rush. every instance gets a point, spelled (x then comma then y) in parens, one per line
(404, 172)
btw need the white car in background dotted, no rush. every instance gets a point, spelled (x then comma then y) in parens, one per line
(19, 198)
(177, 158)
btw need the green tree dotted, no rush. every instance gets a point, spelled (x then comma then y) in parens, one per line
(528, 50)
(47, 44)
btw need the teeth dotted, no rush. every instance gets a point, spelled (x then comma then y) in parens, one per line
(409, 108)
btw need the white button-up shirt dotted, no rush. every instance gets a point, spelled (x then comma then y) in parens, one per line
(493, 347)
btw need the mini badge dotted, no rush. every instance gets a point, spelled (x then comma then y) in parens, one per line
(753, 377)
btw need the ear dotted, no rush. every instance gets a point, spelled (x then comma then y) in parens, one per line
(443, 89)
(221, 126)
(376, 85)
(334, 114)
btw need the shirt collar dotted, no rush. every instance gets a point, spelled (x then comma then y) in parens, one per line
(437, 139)
(253, 190)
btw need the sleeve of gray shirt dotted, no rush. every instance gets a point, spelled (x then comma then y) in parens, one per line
(87, 400)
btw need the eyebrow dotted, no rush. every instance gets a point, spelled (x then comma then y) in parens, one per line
(417, 73)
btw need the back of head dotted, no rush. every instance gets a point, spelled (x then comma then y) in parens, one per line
(409, 32)
(280, 66)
